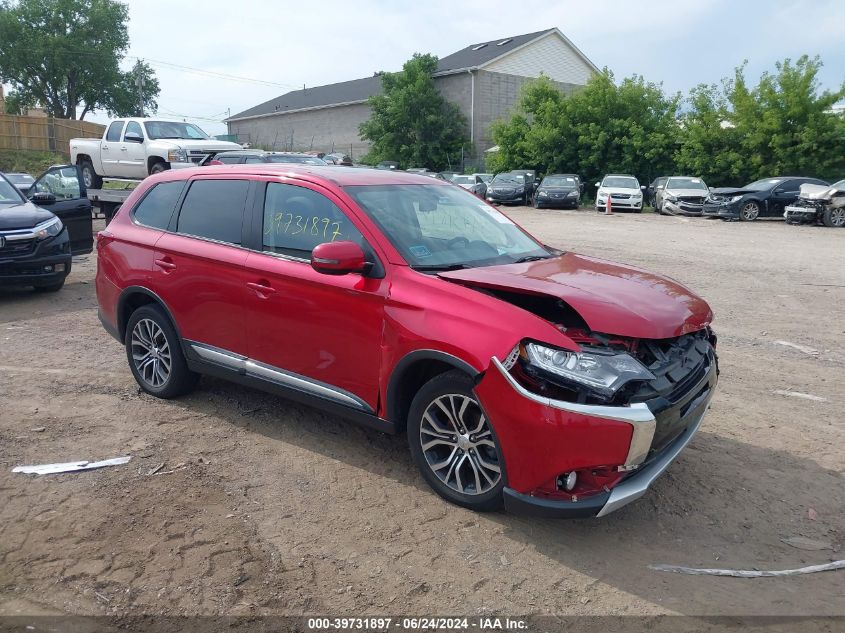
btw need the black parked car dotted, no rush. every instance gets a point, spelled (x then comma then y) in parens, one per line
(651, 191)
(38, 235)
(240, 156)
(509, 188)
(21, 180)
(762, 198)
(559, 190)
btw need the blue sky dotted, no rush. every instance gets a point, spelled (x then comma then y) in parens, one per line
(680, 42)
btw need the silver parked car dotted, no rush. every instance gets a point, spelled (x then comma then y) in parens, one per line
(681, 195)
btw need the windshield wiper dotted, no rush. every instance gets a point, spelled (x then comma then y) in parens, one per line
(531, 258)
(439, 267)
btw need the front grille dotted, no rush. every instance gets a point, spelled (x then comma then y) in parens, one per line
(677, 365)
(620, 196)
(196, 156)
(692, 199)
(15, 248)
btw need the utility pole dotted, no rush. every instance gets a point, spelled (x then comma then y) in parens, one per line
(139, 84)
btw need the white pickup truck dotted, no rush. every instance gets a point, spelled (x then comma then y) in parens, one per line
(137, 148)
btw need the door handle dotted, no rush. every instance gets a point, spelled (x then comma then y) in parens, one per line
(262, 288)
(165, 264)
(123, 149)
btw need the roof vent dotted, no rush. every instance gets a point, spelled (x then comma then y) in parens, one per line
(510, 39)
(479, 47)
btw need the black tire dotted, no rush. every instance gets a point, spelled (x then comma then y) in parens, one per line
(180, 380)
(750, 211)
(457, 385)
(51, 288)
(89, 176)
(159, 167)
(834, 218)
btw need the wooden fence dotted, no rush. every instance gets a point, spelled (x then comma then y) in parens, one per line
(44, 133)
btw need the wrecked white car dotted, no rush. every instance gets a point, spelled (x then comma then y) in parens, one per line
(818, 204)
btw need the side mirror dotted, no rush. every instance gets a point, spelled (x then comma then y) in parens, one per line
(778, 190)
(643, 187)
(598, 184)
(42, 197)
(338, 258)
(660, 186)
(132, 137)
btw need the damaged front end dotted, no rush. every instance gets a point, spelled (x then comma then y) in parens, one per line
(818, 204)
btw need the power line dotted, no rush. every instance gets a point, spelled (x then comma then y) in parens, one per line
(211, 73)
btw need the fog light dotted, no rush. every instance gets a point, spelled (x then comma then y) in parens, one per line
(567, 481)
(47, 269)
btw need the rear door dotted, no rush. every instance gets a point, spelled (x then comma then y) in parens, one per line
(198, 264)
(71, 205)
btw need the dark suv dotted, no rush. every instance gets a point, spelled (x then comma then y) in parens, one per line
(38, 235)
(546, 381)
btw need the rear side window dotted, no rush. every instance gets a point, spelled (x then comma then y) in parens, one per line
(114, 131)
(157, 206)
(214, 209)
(297, 219)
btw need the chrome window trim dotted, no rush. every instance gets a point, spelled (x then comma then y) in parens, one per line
(638, 415)
(256, 369)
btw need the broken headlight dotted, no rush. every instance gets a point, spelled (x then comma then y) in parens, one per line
(604, 373)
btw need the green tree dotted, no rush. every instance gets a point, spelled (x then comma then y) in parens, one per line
(16, 104)
(65, 55)
(412, 123)
(783, 126)
(604, 127)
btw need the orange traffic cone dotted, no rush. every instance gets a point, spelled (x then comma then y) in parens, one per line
(608, 208)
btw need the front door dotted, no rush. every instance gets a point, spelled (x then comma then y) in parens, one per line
(325, 328)
(198, 265)
(69, 203)
(110, 149)
(133, 155)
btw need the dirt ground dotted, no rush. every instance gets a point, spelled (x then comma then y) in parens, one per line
(262, 506)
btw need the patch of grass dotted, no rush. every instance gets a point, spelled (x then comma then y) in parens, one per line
(28, 161)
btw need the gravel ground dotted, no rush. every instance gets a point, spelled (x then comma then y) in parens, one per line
(261, 506)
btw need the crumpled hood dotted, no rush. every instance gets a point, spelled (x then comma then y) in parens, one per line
(22, 216)
(816, 192)
(688, 193)
(611, 298)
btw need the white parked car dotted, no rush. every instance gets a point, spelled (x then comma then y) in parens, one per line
(624, 191)
(137, 148)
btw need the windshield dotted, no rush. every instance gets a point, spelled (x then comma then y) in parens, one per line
(558, 181)
(173, 129)
(463, 180)
(686, 183)
(508, 179)
(293, 158)
(436, 227)
(8, 193)
(763, 185)
(621, 182)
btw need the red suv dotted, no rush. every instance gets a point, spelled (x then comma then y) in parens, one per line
(549, 382)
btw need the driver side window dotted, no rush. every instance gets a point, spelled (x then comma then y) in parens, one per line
(62, 182)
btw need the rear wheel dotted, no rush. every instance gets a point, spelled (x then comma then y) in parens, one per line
(750, 211)
(453, 443)
(155, 354)
(89, 176)
(834, 218)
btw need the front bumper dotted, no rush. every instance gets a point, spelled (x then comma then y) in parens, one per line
(683, 208)
(45, 263)
(620, 203)
(557, 200)
(542, 438)
(728, 211)
(506, 198)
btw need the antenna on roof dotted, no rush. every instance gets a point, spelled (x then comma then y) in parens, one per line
(510, 39)
(480, 46)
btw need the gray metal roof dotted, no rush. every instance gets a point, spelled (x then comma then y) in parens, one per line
(359, 90)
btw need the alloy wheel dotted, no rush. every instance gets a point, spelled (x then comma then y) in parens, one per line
(151, 352)
(87, 177)
(750, 211)
(458, 445)
(837, 217)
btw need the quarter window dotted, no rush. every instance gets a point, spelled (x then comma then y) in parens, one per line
(157, 206)
(114, 131)
(214, 209)
(297, 219)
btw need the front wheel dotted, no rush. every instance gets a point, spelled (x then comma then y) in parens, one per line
(453, 443)
(750, 211)
(157, 168)
(155, 354)
(834, 218)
